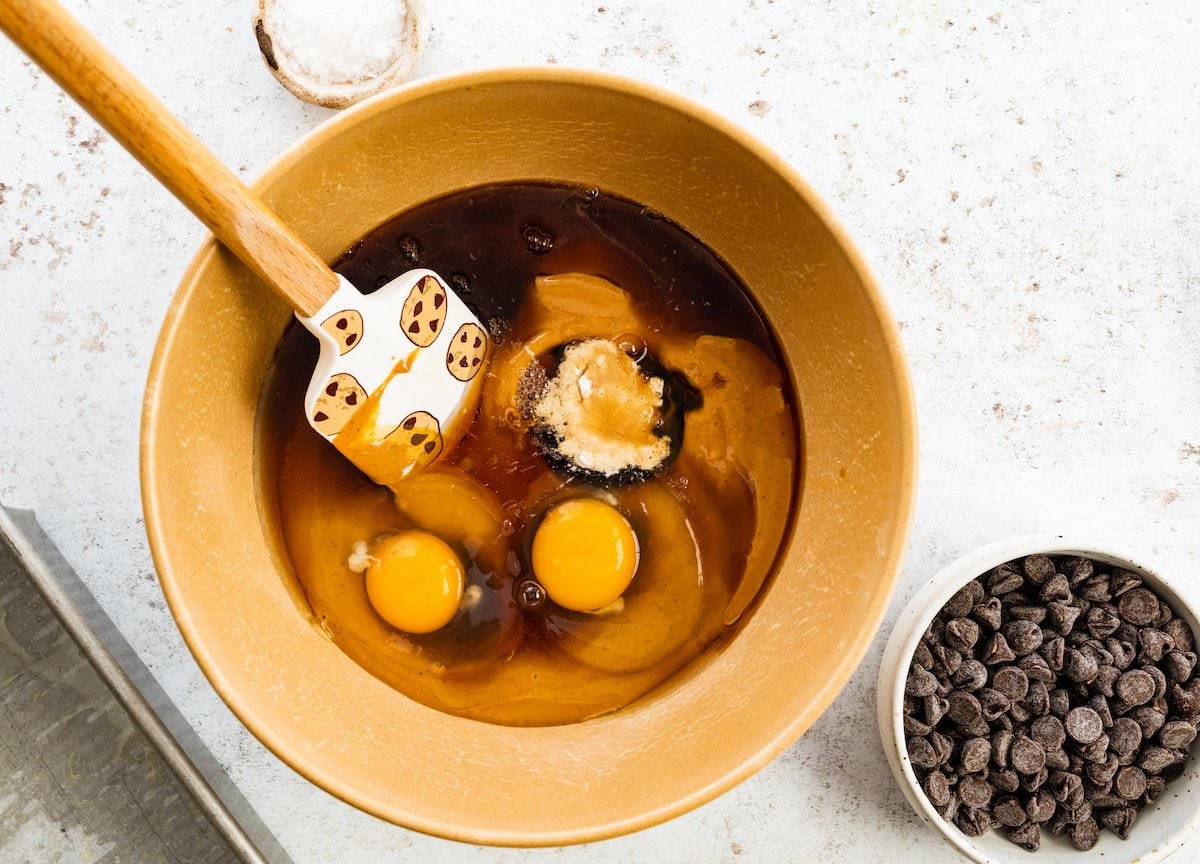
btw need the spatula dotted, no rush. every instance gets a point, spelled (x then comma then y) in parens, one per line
(399, 369)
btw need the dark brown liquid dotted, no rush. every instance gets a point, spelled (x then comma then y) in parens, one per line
(698, 523)
(490, 242)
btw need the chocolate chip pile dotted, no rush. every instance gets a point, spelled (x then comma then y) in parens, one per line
(1052, 693)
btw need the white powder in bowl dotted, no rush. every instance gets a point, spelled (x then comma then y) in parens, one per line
(335, 42)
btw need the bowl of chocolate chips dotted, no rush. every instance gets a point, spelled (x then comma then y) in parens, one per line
(1041, 695)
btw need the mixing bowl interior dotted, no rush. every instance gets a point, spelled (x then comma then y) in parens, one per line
(242, 614)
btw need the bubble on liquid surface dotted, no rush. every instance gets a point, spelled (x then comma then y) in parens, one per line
(538, 239)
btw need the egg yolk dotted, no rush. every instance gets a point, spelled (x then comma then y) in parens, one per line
(416, 581)
(584, 554)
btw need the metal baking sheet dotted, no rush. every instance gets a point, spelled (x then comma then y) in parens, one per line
(96, 763)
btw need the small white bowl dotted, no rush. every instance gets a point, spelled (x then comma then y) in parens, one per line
(1159, 830)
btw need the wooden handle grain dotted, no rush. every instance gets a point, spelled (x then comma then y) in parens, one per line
(136, 118)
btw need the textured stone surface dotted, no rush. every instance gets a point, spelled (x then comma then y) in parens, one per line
(1020, 175)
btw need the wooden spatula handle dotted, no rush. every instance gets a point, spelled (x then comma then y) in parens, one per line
(135, 117)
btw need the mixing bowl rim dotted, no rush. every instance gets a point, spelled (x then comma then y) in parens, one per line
(906, 453)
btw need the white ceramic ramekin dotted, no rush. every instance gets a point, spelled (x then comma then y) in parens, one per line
(1159, 830)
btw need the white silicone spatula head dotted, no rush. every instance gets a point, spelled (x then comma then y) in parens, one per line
(398, 376)
(380, 396)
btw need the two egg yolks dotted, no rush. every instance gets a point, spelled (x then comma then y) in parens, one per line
(585, 554)
(416, 582)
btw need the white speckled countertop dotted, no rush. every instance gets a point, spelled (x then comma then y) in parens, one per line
(1022, 176)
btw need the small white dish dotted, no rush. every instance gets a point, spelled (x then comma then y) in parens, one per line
(1160, 829)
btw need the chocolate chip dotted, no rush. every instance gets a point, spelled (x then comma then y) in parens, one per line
(1057, 760)
(1001, 745)
(1154, 788)
(1122, 652)
(1155, 759)
(1119, 820)
(1135, 687)
(971, 675)
(1179, 665)
(1105, 680)
(937, 789)
(1004, 579)
(992, 703)
(1102, 773)
(1040, 806)
(973, 822)
(1054, 652)
(914, 727)
(946, 659)
(1096, 751)
(1011, 681)
(1130, 783)
(1008, 812)
(1049, 732)
(1098, 589)
(1084, 834)
(974, 791)
(1125, 736)
(964, 708)
(920, 753)
(975, 755)
(1026, 755)
(1179, 631)
(1150, 720)
(1185, 698)
(1077, 569)
(1062, 617)
(1060, 702)
(1124, 580)
(1036, 667)
(1138, 606)
(320, 417)
(1177, 735)
(988, 614)
(1055, 588)
(1037, 700)
(998, 651)
(1083, 725)
(1038, 568)
(1101, 621)
(1066, 787)
(1100, 705)
(1080, 666)
(1107, 801)
(1154, 644)
(1036, 614)
(972, 593)
(962, 634)
(1005, 780)
(1027, 836)
(935, 708)
(1023, 636)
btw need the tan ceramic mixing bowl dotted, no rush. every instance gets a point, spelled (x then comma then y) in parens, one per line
(723, 717)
